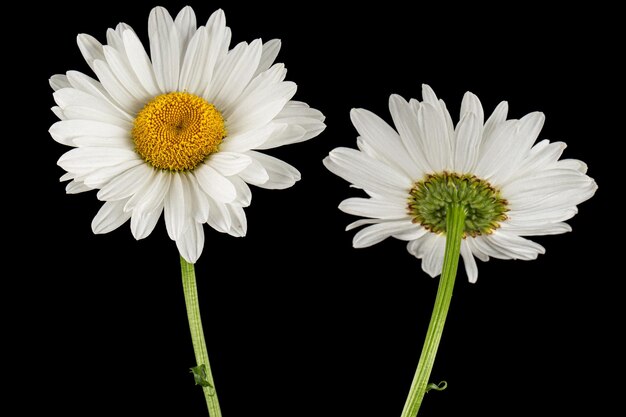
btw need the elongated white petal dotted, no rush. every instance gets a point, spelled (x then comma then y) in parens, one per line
(384, 140)
(175, 208)
(214, 184)
(471, 269)
(229, 163)
(367, 173)
(164, 49)
(376, 233)
(140, 62)
(110, 216)
(191, 242)
(370, 207)
(126, 184)
(268, 56)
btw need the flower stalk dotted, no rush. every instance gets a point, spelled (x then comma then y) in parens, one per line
(202, 371)
(455, 225)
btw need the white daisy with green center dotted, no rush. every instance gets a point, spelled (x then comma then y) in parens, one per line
(177, 132)
(474, 190)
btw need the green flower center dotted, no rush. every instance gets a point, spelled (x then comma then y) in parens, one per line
(430, 198)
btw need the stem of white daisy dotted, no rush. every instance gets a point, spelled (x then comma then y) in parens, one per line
(455, 224)
(202, 371)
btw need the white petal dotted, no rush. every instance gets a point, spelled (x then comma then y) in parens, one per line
(90, 86)
(186, 25)
(73, 97)
(367, 173)
(193, 74)
(92, 141)
(75, 187)
(299, 113)
(164, 49)
(244, 194)
(216, 32)
(370, 207)
(405, 121)
(281, 174)
(255, 174)
(477, 252)
(234, 73)
(191, 242)
(467, 143)
(239, 226)
(495, 150)
(384, 140)
(471, 269)
(265, 81)
(140, 62)
(471, 104)
(229, 163)
(260, 108)
(378, 232)
(126, 184)
(116, 89)
(59, 81)
(518, 147)
(287, 135)
(110, 216)
(219, 216)
(433, 130)
(268, 56)
(498, 116)
(544, 183)
(66, 130)
(414, 232)
(434, 249)
(98, 177)
(214, 184)
(536, 228)
(428, 95)
(250, 139)
(124, 73)
(143, 222)
(58, 112)
(90, 48)
(84, 160)
(152, 195)
(362, 222)
(175, 209)
(511, 246)
(200, 200)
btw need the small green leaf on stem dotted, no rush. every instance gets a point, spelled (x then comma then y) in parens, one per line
(200, 376)
(437, 387)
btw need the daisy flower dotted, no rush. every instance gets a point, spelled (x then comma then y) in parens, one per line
(509, 187)
(474, 190)
(178, 131)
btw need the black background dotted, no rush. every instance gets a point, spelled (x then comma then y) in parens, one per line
(298, 323)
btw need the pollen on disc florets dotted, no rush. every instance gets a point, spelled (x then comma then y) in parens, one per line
(177, 131)
(430, 198)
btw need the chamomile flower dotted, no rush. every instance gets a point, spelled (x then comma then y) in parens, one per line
(509, 186)
(177, 131)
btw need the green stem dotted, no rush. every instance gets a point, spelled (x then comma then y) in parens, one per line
(455, 224)
(202, 372)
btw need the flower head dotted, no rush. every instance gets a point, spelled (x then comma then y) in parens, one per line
(177, 132)
(508, 187)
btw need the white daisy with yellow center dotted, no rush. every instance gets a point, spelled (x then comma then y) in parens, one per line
(177, 132)
(507, 187)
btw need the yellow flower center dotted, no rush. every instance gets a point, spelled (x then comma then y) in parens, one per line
(177, 131)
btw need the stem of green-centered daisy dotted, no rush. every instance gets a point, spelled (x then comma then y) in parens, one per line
(202, 371)
(455, 224)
